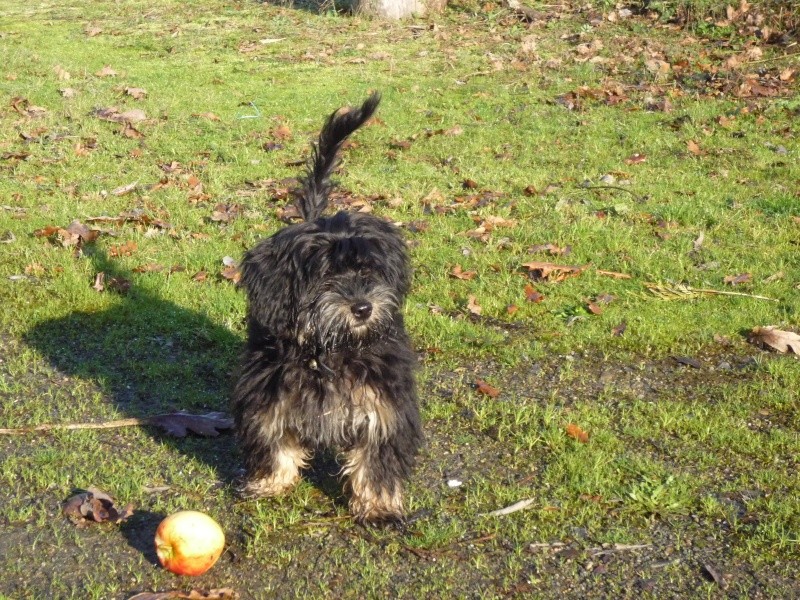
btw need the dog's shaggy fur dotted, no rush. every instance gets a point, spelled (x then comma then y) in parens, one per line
(328, 362)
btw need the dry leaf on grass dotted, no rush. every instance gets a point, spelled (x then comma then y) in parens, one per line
(458, 273)
(179, 424)
(75, 234)
(487, 390)
(577, 433)
(777, 339)
(472, 305)
(94, 506)
(550, 271)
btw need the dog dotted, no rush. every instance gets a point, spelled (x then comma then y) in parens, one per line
(327, 362)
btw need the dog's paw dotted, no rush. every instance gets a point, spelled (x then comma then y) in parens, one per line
(264, 488)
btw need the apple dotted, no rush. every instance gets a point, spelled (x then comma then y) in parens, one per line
(189, 542)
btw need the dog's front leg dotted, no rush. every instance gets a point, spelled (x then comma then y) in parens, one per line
(273, 465)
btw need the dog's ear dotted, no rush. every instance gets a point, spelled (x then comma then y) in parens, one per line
(269, 279)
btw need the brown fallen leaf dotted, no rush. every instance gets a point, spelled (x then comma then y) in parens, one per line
(487, 390)
(458, 273)
(594, 308)
(206, 115)
(130, 132)
(112, 284)
(552, 272)
(213, 594)
(737, 279)
(532, 295)
(136, 93)
(106, 71)
(575, 432)
(281, 132)
(94, 506)
(75, 234)
(473, 306)
(619, 330)
(125, 249)
(777, 339)
(635, 159)
(695, 149)
(179, 424)
(225, 213)
(553, 249)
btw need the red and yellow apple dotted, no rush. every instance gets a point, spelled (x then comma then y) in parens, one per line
(189, 542)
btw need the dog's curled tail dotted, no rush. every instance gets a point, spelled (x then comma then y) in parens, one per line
(325, 155)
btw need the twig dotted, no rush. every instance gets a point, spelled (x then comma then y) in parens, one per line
(65, 426)
(618, 548)
(680, 292)
(771, 58)
(517, 506)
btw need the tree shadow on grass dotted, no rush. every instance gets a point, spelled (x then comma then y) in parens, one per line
(151, 357)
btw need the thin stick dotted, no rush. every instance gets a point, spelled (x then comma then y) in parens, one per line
(517, 506)
(771, 58)
(68, 426)
(681, 291)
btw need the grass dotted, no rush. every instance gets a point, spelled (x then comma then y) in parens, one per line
(495, 137)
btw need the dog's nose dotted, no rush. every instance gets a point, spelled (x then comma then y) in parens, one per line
(361, 310)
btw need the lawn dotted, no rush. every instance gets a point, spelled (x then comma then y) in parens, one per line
(601, 205)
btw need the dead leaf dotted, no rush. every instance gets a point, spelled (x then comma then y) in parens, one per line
(136, 93)
(688, 361)
(94, 506)
(594, 308)
(281, 132)
(206, 115)
(777, 339)
(61, 73)
(225, 213)
(619, 330)
(548, 271)
(550, 249)
(532, 295)
(180, 423)
(75, 234)
(738, 279)
(473, 306)
(576, 433)
(119, 285)
(636, 159)
(125, 249)
(231, 270)
(463, 275)
(106, 71)
(692, 146)
(487, 390)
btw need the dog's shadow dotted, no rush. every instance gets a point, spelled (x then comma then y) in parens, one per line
(149, 356)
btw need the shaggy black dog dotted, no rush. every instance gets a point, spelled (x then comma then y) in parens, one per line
(328, 362)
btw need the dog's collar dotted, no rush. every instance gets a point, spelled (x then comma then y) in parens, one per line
(317, 364)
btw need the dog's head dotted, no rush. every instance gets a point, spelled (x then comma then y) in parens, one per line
(330, 284)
